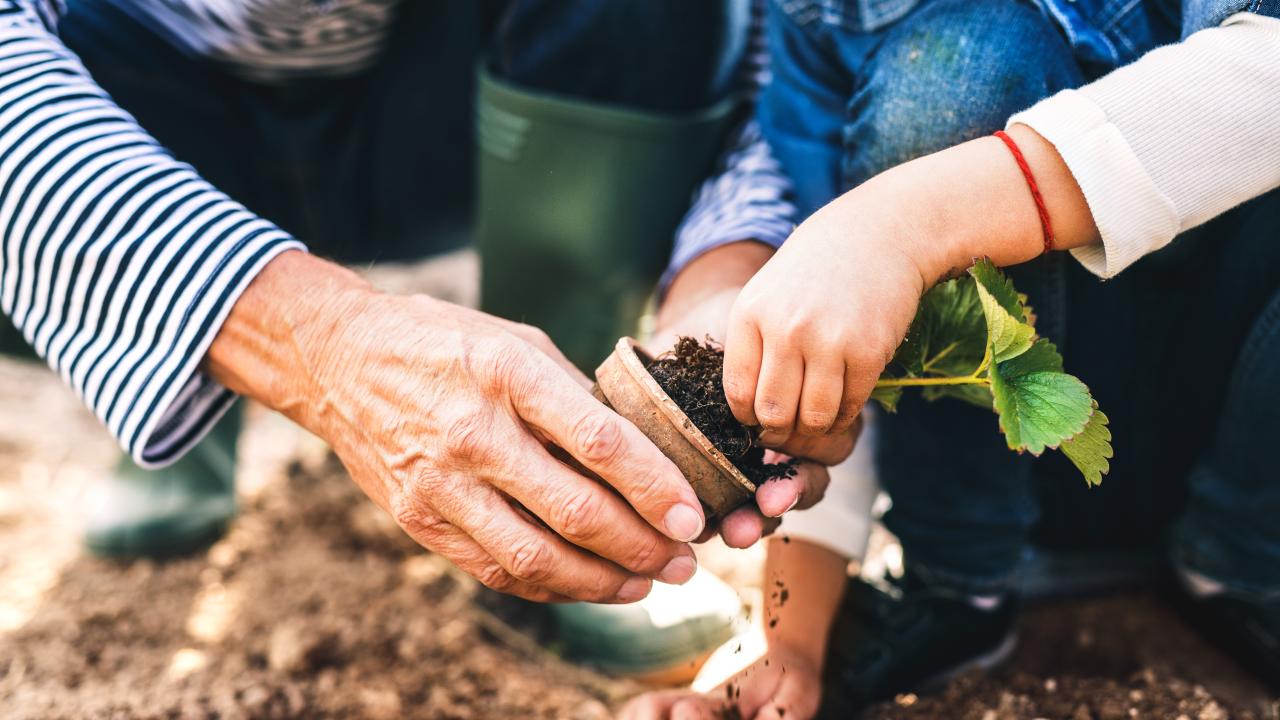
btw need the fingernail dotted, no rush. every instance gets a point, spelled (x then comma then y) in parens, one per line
(634, 589)
(679, 570)
(768, 437)
(683, 523)
(770, 496)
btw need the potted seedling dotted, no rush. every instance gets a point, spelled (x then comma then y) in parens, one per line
(973, 339)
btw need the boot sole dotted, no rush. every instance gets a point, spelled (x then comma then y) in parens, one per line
(174, 547)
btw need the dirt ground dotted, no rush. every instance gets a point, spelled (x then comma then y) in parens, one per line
(1113, 658)
(316, 606)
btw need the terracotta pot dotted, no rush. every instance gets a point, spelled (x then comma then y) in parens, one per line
(623, 383)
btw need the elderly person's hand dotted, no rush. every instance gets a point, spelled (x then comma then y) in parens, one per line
(697, 305)
(474, 433)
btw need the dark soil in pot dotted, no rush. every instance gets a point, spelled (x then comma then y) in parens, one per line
(692, 375)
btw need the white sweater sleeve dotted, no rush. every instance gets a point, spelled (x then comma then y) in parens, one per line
(1172, 140)
(842, 521)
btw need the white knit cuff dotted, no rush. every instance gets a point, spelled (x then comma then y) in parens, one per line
(841, 522)
(1133, 217)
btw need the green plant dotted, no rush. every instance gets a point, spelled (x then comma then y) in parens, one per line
(974, 339)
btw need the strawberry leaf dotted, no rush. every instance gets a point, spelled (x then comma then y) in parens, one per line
(979, 395)
(1001, 288)
(1039, 405)
(1009, 335)
(1090, 451)
(948, 335)
(887, 397)
(974, 339)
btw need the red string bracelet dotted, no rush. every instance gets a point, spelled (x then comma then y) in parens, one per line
(1045, 225)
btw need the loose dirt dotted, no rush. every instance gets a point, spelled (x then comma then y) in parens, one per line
(316, 606)
(1113, 658)
(692, 374)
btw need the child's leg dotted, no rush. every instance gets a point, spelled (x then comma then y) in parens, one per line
(949, 72)
(1231, 530)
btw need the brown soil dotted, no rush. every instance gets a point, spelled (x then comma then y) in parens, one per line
(1112, 658)
(692, 374)
(316, 606)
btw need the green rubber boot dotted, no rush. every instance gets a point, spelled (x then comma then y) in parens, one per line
(169, 512)
(663, 639)
(577, 205)
(161, 513)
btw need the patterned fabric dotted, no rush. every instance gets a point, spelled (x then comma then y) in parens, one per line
(117, 262)
(272, 40)
(748, 197)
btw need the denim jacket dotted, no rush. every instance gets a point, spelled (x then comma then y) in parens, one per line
(1103, 33)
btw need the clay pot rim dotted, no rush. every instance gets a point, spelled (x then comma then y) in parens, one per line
(630, 353)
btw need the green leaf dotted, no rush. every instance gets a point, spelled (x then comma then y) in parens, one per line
(1042, 356)
(887, 397)
(1008, 332)
(1000, 287)
(979, 395)
(1039, 405)
(948, 336)
(966, 322)
(1090, 451)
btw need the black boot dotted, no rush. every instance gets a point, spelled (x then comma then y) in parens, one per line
(901, 635)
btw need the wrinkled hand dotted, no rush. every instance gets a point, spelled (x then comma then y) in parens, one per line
(454, 422)
(698, 305)
(781, 685)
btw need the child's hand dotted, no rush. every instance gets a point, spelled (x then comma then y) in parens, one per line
(810, 334)
(697, 305)
(782, 684)
(812, 331)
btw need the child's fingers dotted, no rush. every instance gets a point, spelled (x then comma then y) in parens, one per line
(778, 390)
(653, 705)
(697, 708)
(830, 449)
(821, 395)
(796, 699)
(742, 348)
(859, 380)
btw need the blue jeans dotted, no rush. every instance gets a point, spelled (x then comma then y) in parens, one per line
(1182, 350)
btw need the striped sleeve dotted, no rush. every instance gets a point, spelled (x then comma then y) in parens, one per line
(117, 262)
(748, 197)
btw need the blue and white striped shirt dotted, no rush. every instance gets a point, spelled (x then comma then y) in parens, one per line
(748, 196)
(119, 264)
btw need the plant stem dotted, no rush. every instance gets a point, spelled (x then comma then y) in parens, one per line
(912, 382)
(943, 353)
(986, 362)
